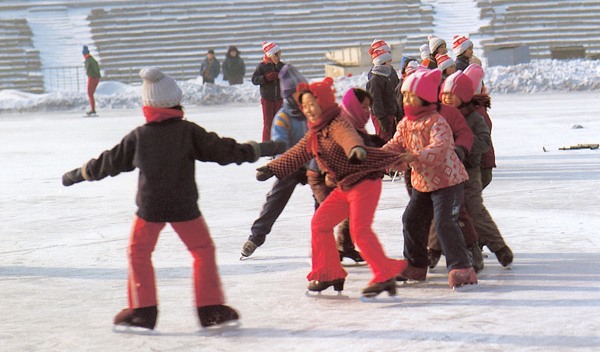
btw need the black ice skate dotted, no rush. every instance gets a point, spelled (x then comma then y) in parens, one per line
(217, 315)
(352, 254)
(433, 257)
(248, 248)
(139, 317)
(318, 286)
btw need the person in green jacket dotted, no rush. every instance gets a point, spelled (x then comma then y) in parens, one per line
(92, 70)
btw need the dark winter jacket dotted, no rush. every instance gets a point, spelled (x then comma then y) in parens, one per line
(381, 86)
(234, 68)
(462, 62)
(482, 102)
(269, 90)
(210, 69)
(483, 139)
(92, 69)
(165, 154)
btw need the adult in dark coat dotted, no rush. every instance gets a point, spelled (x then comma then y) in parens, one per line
(233, 67)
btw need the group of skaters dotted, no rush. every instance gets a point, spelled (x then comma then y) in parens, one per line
(436, 134)
(431, 125)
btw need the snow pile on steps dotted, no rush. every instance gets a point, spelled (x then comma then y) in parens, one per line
(537, 76)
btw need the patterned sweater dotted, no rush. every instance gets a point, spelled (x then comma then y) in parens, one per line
(335, 141)
(430, 139)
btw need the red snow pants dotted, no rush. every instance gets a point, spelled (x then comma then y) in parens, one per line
(141, 280)
(92, 84)
(358, 204)
(269, 110)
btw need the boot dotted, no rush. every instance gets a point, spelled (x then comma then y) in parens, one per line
(505, 256)
(433, 256)
(477, 258)
(377, 287)
(351, 254)
(217, 314)
(318, 286)
(461, 277)
(412, 273)
(248, 248)
(141, 317)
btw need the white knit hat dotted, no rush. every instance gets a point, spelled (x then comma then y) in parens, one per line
(380, 57)
(158, 89)
(460, 43)
(270, 48)
(434, 43)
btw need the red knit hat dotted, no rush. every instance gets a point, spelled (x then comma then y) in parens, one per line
(444, 61)
(323, 91)
(379, 44)
(270, 48)
(460, 85)
(460, 43)
(424, 83)
(380, 57)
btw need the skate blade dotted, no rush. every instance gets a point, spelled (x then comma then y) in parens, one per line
(380, 299)
(465, 288)
(134, 330)
(220, 328)
(321, 295)
(242, 258)
(351, 263)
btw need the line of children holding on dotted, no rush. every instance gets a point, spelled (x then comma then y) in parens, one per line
(443, 173)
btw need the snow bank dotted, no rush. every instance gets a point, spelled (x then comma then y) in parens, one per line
(537, 76)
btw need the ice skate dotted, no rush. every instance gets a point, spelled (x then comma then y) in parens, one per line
(352, 254)
(140, 317)
(376, 288)
(458, 278)
(412, 273)
(91, 113)
(504, 256)
(433, 256)
(318, 286)
(477, 258)
(248, 248)
(217, 315)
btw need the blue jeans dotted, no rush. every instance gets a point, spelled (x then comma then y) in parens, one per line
(442, 207)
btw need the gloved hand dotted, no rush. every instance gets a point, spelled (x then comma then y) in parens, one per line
(264, 173)
(271, 76)
(272, 148)
(357, 155)
(72, 177)
(460, 152)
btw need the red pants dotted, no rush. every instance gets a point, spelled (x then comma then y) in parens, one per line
(141, 279)
(92, 83)
(269, 109)
(358, 204)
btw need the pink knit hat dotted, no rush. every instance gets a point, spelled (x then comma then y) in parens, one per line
(424, 83)
(444, 61)
(379, 44)
(460, 85)
(270, 48)
(460, 43)
(476, 74)
(380, 57)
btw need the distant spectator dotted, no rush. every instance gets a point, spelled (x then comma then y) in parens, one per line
(463, 49)
(266, 75)
(210, 67)
(92, 70)
(234, 68)
(383, 79)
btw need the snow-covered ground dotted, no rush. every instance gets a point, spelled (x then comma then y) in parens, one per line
(63, 268)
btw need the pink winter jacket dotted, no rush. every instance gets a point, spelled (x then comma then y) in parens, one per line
(430, 139)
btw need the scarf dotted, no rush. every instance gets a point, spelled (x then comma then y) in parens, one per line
(153, 114)
(382, 70)
(414, 113)
(353, 111)
(312, 142)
